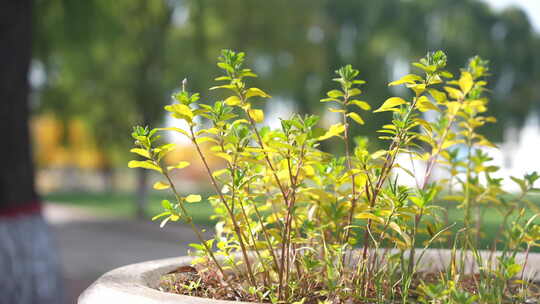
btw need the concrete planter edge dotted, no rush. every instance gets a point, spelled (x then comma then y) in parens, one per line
(136, 283)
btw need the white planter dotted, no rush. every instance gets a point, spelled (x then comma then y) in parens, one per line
(136, 284)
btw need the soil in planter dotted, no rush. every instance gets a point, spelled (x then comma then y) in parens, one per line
(187, 280)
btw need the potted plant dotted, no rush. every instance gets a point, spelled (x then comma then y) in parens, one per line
(297, 224)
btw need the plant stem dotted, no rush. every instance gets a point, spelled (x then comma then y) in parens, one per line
(285, 197)
(431, 164)
(349, 167)
(190, 221)
(235, 224)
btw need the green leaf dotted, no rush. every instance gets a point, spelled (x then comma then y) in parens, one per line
(166, 204)
(193, 198)
(161, 185)
(390, 104)
(520, 182)
(356, 118)
(418, 201)
(144, 164)
(225, 66)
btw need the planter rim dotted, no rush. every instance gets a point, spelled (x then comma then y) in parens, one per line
(137, 283)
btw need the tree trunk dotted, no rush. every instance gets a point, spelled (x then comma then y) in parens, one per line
(28, 261)
(108, 177)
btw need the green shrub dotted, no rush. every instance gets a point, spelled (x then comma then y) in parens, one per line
(290, 213)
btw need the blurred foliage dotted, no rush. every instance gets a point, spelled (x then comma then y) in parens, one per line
(77, 151)
(114, 63)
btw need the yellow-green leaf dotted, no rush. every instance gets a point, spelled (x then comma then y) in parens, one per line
(143, 164)
(225, 156)
(207, 131)
(438, 95)
(423, 104)
(180, 165)
(354, 92)
(356, 118)
(233, 101)
(466, 82)
(256, 92)
(379, 154)
(365, 215)
(410, 78)
(193, 198)
(204, 139)
(448, 143)
(220, 172)
(336, 110)
(486, 143)
(491, 119)
(334, 130)
(390, 104)
(141, 152)
(397, 229)
(453, 107)
(454, 93)
(162, 214)
(161, 185)
(417, 88)
(225, 86)
(334, 93)
(176, 130)
(257, 115)
(361, 104)
(181, 111)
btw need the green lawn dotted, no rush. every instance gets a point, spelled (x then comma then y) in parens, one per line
(122, 204)
(492, 219)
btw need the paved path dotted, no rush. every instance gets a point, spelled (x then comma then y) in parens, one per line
(91, 245)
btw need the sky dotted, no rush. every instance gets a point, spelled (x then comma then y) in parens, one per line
(531, 7)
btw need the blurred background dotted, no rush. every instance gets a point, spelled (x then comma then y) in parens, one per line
(98, 67)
